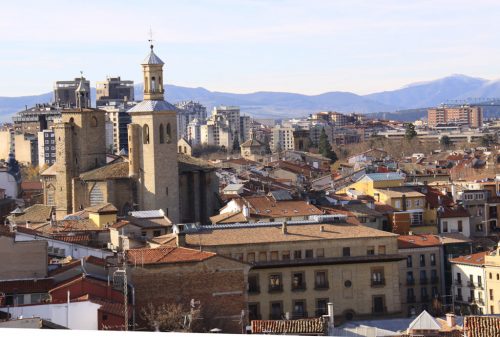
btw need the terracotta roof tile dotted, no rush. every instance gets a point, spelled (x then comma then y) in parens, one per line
(453, 212)
(476, 259)
(26, 286)
(31, 185)
(102, 208)
(37, 213)
(481, 326)
(314, 326)
(163, 255)
(418, 241)
(118, 170)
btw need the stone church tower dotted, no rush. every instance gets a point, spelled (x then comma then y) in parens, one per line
(78, 148)
(153, 144)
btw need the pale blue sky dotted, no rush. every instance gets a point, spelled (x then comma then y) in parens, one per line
(250, 45)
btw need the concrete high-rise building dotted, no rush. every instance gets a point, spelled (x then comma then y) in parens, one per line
(36, 118)
(194, 132)
(120, 119)
(230, 115)
(65, 91)
(46, 147)
(245, 128)
(114, 89)
(153, 144)
(282, 138)
(471, 116)
(188, 111)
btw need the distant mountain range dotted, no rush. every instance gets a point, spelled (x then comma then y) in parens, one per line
(407, 103)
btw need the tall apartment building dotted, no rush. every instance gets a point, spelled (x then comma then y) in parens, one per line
(194, 132)
(245, 128)
(46, 147)
(119, 118)
(64, 91)
(471, 116)
(188, 111)
(36, 118)
(26, 148)
(114, 89)
(7, 141)
(282, 138)
(230, 115)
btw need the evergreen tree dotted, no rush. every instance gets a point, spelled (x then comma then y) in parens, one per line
(236, 143)
(410, 132)
(445, 141)
(324, 147)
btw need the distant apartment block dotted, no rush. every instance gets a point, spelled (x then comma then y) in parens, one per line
(189, 111)
(471, 116)
(37, 118)
(64, 91)
(46, 147)
(118, 119)
(282, 138)
(114, 89)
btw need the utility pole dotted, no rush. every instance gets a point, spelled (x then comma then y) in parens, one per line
(122, 273)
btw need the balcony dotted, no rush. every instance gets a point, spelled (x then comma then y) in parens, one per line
(299, 315)
(458, 282)
(275, 288)
(253, 289)
(434, 279)
(276, 316)
(479, 286)
(411, 299)
(410, 281)
(424, 280)
(471, 284)
(378, 311)
(322, 286)
(299, 287)
(378, 283)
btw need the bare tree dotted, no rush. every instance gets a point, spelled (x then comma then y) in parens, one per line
(169, 317)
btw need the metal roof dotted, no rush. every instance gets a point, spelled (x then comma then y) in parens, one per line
(383, 176)
(157, 213)
(153, 105)
(152, 58)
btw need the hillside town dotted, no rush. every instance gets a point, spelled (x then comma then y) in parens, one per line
(145, 215)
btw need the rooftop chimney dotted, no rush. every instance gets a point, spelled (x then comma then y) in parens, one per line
(283, 228)
(451, 320)
(322, 228)
(181, 239)
(331, 315)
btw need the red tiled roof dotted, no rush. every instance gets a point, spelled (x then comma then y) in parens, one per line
(481, 326)
(26, 286)
(453, 212)
(474, 259)
(31, 185)
(67, 266)
(166, 255)
(77, 238)
(315, 326)
(115, 308)
(418, 240)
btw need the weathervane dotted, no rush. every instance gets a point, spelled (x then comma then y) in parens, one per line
(151, 38)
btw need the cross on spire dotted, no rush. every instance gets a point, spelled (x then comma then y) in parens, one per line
(151, 38)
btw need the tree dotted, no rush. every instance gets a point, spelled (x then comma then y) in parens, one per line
(169, 317)
(445, 141)
(487, 140)
(325, 148)
(410, 132)
(236, 143)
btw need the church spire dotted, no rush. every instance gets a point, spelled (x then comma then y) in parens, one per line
(82, 94)
(152, 68)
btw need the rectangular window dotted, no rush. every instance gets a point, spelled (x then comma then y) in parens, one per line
(381, 250)
(276, 310)
(253, 284)
(409, 261)
(262, 256)
(275, 283)
(397, 204)
(321, 307)
(321, 280)
(422, 260)
(298, 281)
(377, 277)
(250, 257)
(320, 252)
(491, 294)
(297, 254)
(285, 255)
(445, 226)
(460, 226)
(346, 251)
(299, 309)
(433, 259)
(156, 233)
(274, 256)
(309, 254)
(370, 250)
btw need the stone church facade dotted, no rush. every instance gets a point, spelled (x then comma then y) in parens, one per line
(153, 176)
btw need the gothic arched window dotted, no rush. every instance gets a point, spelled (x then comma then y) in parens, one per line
(145, 134)
(162, 134)
(153, 84)
(169, 133)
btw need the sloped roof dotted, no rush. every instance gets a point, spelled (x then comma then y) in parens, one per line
(383, 176)
(152, 106)
(314, 326)
(424, 321)
(50, 171)
(102, 208)
(189, 163)
(418, 241)
(230, 217)
(252, 143)
(453, 212)
(152, 58)
(110, 171)
(163, 255)
(26, 286)
(476, 259)
(37, 213)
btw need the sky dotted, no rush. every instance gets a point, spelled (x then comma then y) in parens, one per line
(241, 46)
